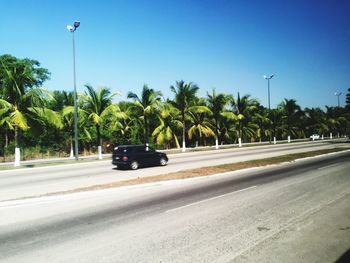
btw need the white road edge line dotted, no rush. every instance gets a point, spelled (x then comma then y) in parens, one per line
(209, 199)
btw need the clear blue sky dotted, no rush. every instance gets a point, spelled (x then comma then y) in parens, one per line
(224, 44)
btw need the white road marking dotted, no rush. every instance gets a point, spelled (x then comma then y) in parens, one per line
(209, 199)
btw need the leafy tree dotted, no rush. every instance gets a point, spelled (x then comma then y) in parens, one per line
(24, 103)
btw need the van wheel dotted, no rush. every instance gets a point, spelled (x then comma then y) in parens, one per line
(162, 161)
(134, 165)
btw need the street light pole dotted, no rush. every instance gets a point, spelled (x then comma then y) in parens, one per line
(268, 96)
(76, 148)
(338, 94)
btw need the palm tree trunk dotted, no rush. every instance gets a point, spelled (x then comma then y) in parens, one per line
(71, 149)
(216, 142)
(6, 144)
(240, 134)
(17, 150)
(239, 142)
(183, 133)
(99, 147)
(6, 139)
(16, 137)
(146, 129)
(216, 135)
(98, 134)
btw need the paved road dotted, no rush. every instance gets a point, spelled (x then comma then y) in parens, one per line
(38, 181)
(297, 212)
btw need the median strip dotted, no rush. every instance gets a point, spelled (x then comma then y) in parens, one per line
(205, 171)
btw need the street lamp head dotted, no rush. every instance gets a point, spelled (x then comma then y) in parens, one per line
(70, 28)
(270, 77)
(76, 24)
(74, 27)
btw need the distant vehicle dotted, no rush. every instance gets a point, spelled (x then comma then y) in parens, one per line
(314, 137)
(135, 156)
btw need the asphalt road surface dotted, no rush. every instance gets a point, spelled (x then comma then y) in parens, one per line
(38, 181)
(296, 212)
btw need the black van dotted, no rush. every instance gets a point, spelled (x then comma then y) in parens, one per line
(135, 156)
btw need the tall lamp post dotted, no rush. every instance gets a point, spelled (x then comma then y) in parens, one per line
(268, 96)
(72, 30)
(338, 94)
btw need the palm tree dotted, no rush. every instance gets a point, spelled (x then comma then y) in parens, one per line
(217, 103)
(98, 106)
(5, 123)
(65, 105)
(277, 122)
(23, 102)
(242, 112)
(337, 119)
(147, 105)
(347, 101)
(121, 124)
(262, 120)
(316, 121)
(292, 115)
(185, 95)
(200, 125)
(165, 132)
(128, 129)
